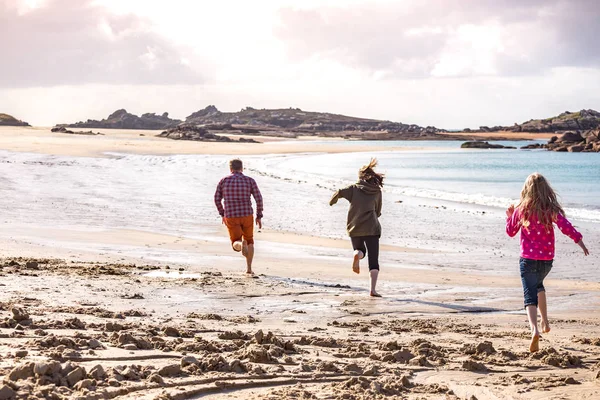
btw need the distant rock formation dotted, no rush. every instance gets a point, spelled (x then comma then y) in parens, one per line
(62, 129)
(298, 121)
(581, 120)
(121, 119)
(197, 133)
(9, 120)
(574, 142)
(483, 145)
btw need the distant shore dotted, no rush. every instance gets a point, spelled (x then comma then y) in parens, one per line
(41, 140)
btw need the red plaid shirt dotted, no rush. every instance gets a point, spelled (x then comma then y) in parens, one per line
(236, 190)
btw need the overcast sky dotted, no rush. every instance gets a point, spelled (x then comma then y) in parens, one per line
(448, 63)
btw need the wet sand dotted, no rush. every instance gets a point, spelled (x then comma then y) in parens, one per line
(95, 313)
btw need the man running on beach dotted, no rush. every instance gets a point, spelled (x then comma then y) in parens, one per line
(236, 189)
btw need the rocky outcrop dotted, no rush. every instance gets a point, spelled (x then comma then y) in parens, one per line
(9, 120)
(198, 133)
(573, 142)
(483, 145)
(62, 129)
(303, 122)
(567, 121)
(121, 119)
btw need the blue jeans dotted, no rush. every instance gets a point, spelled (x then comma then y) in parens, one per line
(533, 273)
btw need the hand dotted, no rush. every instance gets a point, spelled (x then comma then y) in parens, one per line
(582, 245)
(510, 211)
(259, 223)
(223, 220)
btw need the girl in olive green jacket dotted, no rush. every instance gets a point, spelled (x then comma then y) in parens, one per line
(363, 224)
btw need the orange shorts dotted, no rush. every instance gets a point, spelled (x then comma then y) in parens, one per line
(239, 227)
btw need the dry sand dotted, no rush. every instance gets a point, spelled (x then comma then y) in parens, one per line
(78, 321)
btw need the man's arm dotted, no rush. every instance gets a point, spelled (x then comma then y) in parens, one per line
(219, 199)
(258, 199)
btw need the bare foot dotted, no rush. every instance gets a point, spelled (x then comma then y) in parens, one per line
(545, 327)
(535, 344)
(355, 263)
(244, 248)
(249, 273)
(374, 294)
(237, 246)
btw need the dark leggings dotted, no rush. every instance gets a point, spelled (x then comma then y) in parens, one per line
(370, 243)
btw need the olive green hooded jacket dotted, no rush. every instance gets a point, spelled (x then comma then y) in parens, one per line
(365, 208)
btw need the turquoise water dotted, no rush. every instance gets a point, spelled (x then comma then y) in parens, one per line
(484, 177)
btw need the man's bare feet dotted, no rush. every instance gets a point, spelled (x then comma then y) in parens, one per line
(249, 273)
(545, 327)
(356, 261)
(374, 294)
(535, 344)
(237, 246)
(244, 248)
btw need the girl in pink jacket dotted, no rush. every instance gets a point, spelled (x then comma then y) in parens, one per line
(534, 217)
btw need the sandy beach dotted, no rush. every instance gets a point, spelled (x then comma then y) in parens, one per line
(114, 311)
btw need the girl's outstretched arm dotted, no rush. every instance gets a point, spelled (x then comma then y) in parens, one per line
(345, 193)
(567, 229)
(513, 221)
(585, 250)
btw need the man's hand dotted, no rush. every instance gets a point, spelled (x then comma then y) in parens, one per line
(510, 211)
(223, 220)
(259, 223)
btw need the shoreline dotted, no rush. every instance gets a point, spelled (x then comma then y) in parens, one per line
(41, 140)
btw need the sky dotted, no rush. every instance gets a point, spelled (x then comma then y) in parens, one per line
(446, 63)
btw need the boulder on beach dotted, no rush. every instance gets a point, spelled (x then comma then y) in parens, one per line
(198, 133)
(483, 145)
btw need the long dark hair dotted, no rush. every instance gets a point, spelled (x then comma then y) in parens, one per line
(367, 173)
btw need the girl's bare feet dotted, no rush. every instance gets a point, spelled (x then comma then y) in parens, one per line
(535, 344)
(356, 261)
(374, 294)
(545, 327)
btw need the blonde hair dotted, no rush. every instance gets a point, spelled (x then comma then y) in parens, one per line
(367, 173)
(539, 199)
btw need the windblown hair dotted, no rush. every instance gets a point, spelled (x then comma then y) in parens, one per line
(539, 199)
(367, 173)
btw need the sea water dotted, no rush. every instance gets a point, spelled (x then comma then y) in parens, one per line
(491, 177)
(174, 194)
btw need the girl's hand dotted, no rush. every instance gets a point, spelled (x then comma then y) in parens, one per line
(510, 211)
(582, 245)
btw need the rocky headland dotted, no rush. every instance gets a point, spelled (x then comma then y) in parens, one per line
(9, 120)
(121, 119)
(285, 122)
(299, 122)
(572, 141)
(567, 121)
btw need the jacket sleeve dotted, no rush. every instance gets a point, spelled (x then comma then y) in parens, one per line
(513, 223)
(345, 193)
(567, 229)
(379, 204)
(219, 199)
